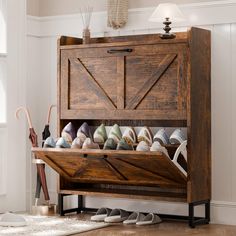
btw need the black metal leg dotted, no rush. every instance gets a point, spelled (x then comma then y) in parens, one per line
(61, 210)
(60, 204)
(193, 221)
(208, 211)
(80, 204)
(191, 214)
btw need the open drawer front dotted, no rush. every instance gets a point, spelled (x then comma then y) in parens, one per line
(114, 167)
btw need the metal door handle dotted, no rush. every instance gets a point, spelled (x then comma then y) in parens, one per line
(111, 51)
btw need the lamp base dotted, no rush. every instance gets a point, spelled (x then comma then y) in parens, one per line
(167, 36)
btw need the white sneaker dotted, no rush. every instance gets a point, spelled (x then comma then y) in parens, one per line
(177, 137)
(161, 137)
(145, 134)
(156, 147)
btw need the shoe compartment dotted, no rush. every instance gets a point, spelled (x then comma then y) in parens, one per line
(113, 166)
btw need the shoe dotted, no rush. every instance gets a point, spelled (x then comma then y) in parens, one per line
(84, 132)
(123, 145)
(68, 133)
(117, 216)
(110, 144)
(134, 218)
(12, 220)
(161, 137)
(49, 143)
(156, 147)
(130, 135)
(62, 143)
(143, 147)
(150, 219)
(145, 134)
(100, 134)
(115, 133)
(89, 144)
(101, 214)
(177, 137)
(77, 143)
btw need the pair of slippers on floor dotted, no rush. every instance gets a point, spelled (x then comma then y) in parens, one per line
(119, 215)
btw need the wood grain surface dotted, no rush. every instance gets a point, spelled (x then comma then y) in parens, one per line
(154, 83)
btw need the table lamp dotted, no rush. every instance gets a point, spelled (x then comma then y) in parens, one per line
(167, 12)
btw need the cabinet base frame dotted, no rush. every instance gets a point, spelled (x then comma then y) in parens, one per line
(192, 220)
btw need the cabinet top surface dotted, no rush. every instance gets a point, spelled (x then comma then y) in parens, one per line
(71, 43)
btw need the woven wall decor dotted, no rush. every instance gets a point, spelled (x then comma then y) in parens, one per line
(117, 11)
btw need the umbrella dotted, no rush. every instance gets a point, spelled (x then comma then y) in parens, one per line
(46, 133)
(34, 142)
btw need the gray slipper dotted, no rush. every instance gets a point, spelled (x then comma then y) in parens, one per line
(117, 216)
(134, 218)
(150, 219)
(12, 220)
(101, 214)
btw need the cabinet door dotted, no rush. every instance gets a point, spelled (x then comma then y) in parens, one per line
(133, 82)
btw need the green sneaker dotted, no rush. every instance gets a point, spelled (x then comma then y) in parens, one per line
(123, 145)
(110, 144)
(62, 143)
(100, 134)
(49, 143)
(115, 133)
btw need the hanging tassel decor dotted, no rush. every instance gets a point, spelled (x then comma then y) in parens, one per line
(117, 11)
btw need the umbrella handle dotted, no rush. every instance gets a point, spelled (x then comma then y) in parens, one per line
(27, 115)
(49, 113)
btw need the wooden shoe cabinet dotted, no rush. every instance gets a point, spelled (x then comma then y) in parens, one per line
(138, 80)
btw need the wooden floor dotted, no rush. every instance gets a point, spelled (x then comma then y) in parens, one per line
(164, 229)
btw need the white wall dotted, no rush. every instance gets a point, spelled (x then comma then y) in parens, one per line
(33, 7)
(13, 194)
(42, 36)
(62, 7)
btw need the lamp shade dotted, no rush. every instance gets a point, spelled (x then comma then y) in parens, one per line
(167, 10)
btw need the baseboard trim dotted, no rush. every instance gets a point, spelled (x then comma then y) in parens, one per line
(222, 212)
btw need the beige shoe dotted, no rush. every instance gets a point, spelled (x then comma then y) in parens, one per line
(77, 143)
(129, 135)
(145, 134)
(89, 144)
(156, 147)
(143, 147)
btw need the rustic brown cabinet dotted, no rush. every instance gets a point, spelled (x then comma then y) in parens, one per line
(136, 80)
